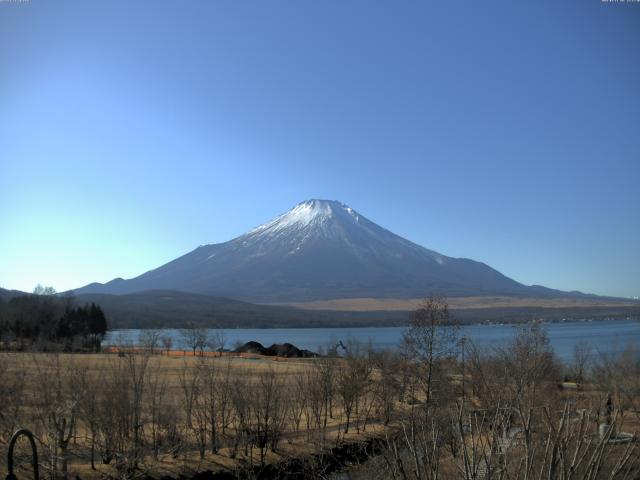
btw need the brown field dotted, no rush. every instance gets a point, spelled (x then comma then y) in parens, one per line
(56, 372)
(152, 413)
(457, 303)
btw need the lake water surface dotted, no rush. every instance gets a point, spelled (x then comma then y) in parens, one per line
(604, 336)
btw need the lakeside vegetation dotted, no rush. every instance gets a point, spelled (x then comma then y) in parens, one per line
(439, 407)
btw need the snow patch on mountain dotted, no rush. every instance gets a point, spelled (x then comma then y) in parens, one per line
(300, 216)
(308, 220)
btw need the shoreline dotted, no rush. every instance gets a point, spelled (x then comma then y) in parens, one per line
(486, 323)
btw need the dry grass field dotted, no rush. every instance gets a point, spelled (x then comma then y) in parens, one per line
(459, 303)
(139, 413)
(272, 392)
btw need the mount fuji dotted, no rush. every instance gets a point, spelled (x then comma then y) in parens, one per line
(321, 250)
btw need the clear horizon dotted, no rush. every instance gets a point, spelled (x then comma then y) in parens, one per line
(131, 133)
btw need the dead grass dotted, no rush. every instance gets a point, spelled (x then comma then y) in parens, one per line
(251, 367)
(172, 366)
(456, 303)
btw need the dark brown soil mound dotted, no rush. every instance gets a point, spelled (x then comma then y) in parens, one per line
(276, 350)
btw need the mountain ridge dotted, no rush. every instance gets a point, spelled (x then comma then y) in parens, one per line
(320, 250)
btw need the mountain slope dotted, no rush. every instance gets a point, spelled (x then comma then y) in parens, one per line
(318, 250)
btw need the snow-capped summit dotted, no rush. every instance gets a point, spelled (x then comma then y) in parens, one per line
(320, 224)
(304, 214)
(320, 249)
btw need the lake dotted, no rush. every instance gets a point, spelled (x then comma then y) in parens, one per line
(604, 336)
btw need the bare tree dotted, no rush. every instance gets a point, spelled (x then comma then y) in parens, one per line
(432, 336)
(56, 412)
(563, 448)
(319, 381)
(167, 343)
(156, 388)
(354, 375)
(240, 402)
(195, 338)
(298, 404)
(582, 352)
(189, 381)
(136, 369)
(149, 340)
(216, 399)
(617, 373)
(414, 451)
(121, 413)
(200, 409)
(216, 341)
(113, 416)
(267, 412)
(12, 394)
(88, 385)
(521, 378)
(387, 390)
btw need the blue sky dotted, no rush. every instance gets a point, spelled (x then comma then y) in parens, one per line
(507, 132)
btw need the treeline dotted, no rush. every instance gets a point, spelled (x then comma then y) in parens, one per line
(45, 321)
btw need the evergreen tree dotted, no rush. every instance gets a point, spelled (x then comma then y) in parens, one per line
(52, 319)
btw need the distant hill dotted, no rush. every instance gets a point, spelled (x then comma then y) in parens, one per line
(161, 308)
(323, 250)
(6, 295)
(173, 309)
